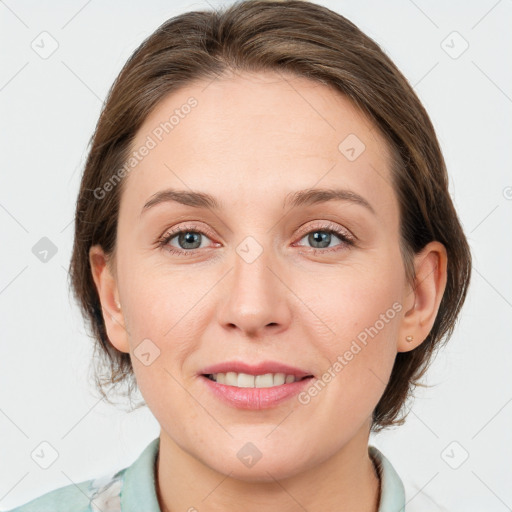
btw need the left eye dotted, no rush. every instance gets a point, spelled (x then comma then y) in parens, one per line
(322, 238)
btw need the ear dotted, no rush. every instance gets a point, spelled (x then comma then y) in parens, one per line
(106, 286)
(422, 301)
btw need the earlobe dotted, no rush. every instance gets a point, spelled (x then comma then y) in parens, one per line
(106, 287)
(424, 299)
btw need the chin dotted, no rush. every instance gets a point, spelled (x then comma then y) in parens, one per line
(265, 469)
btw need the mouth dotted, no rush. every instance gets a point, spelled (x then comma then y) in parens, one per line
(245, 380)
(257, 390)
(263, 375)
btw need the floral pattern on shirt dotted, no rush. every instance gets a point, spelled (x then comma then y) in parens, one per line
(106, 495)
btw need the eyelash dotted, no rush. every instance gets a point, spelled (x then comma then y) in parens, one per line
(330, 228)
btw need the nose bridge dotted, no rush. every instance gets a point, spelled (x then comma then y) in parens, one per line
(256, 297)
(252, 260)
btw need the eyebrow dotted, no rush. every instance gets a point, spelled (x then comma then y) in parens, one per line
(306, 197)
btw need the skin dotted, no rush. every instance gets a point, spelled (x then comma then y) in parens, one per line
(251, 140)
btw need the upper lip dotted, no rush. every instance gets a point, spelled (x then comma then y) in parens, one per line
(258, 369)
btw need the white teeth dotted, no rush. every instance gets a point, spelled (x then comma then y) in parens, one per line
(279, 379)
(244, 380)
(264, 381)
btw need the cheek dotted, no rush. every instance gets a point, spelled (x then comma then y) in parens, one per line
(351, 384)
(355, 328)
(351, 305)
(164, 315)
(160, 299)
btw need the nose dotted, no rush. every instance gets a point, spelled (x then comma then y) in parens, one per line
(256, 295)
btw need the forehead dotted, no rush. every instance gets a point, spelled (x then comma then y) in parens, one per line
(260, 136)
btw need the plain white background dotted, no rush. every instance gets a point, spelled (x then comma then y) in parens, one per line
(49, 107)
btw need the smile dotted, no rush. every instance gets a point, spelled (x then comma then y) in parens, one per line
(244, 380)
(255, 398)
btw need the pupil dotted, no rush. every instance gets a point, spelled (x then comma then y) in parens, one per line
(320, 237)
(188, 238)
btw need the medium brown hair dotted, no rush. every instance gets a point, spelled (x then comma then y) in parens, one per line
(303, 39)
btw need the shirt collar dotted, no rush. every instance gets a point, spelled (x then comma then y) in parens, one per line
(392, 492)
(139, 487)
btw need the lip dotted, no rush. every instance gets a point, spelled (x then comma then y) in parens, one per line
(258, 369)
(255, 398)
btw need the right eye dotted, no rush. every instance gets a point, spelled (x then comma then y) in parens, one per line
(187, 237)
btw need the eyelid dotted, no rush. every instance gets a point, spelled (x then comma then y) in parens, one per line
(191, 226)
(328, 225)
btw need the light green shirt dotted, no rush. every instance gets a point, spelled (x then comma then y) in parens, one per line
(133, 489)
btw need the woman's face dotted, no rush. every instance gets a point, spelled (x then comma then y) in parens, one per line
(259, 278)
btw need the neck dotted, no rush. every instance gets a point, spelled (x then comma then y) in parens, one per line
(346, 482)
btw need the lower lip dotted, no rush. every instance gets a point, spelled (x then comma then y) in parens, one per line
(255, 398)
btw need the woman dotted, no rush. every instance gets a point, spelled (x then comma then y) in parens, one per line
(265, 246)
